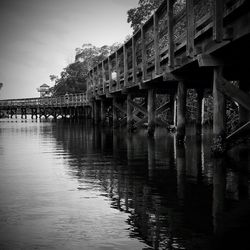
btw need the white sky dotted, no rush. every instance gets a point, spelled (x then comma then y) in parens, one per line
(38, 37)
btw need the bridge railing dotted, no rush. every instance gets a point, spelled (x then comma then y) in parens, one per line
(171, 37)
(59, 101)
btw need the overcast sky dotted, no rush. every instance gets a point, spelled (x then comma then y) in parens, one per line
(38, 37)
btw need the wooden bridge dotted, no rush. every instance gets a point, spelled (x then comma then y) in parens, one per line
(73, 105)
(187, 44)
(191, 44)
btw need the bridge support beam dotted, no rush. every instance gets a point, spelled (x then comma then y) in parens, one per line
(181, 111)
(129, 113)
(33, 113)
(13, 111)
(96, 107)
(54, 113)
(23, 113)
(172, 112)
(244, 114)
(219, 113)
(114, 113)
(151, 111)
(200, 94)
(103, 112)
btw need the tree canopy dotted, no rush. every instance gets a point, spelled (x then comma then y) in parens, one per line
(139, 15)
(73, 78)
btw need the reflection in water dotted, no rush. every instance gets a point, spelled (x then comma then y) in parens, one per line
(106, 189)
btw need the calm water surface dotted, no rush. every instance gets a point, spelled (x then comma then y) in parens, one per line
(67, 185)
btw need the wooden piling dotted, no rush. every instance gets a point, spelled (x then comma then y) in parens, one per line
(103, 112)
(219, 113)
(203, 111)
(244, 114)
(129, 113)
(115, 114)
(181, 111)
(96, 112)
(151, 111)
(172, 109)
(199, 111)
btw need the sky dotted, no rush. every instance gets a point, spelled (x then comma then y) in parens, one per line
(38, 38)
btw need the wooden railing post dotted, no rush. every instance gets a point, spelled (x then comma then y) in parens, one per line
(190, 28)
(218, 20)
(170, 33)
(125, 65)
(156, 45)
(144, 66)
(110, 74)
(117, 71)
(103, 78)
(133, 60)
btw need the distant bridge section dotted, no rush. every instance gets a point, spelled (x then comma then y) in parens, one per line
(66, 105)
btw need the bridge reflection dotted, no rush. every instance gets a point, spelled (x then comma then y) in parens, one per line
(176, 197)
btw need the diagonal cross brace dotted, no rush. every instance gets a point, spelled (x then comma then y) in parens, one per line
(233, 92)
(157, 112)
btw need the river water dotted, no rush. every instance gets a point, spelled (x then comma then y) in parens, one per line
(69, 185)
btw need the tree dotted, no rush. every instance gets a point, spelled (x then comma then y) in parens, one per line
(73, 78)
(139, 15)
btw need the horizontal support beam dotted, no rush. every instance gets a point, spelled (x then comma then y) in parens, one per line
(205, 60)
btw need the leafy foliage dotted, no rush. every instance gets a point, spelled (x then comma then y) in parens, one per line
(73, 78)
(139, 15)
